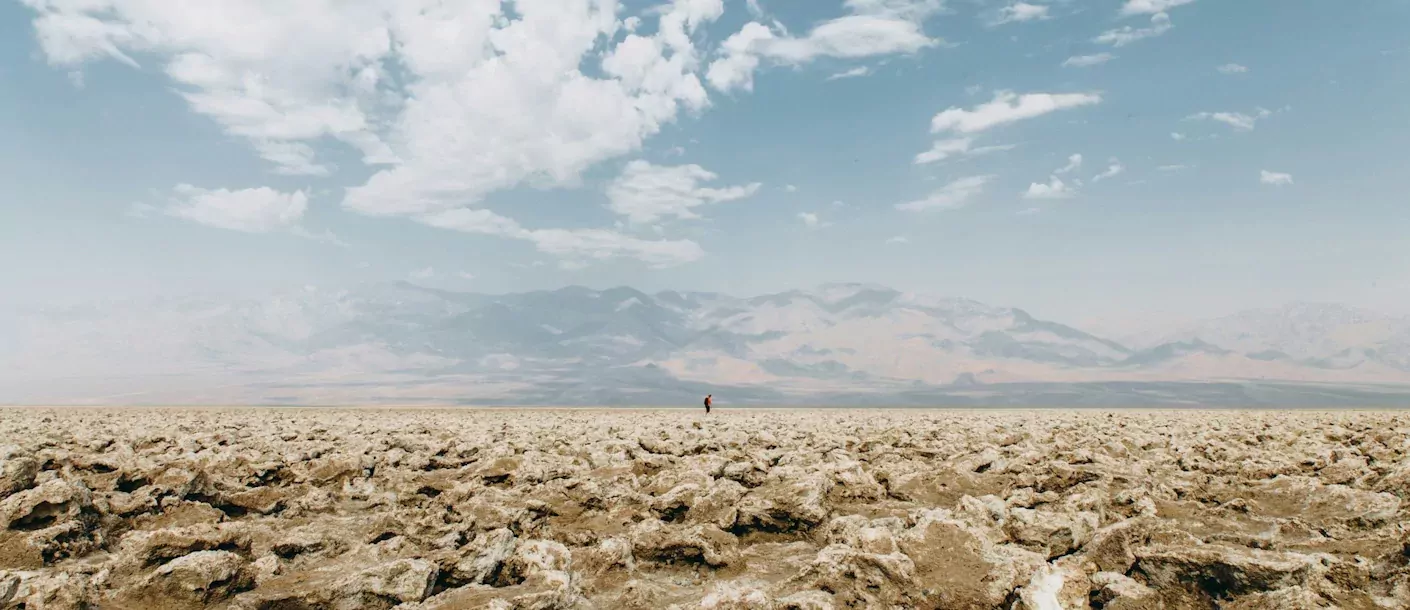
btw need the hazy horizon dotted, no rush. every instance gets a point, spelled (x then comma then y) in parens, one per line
(1110, 164)
(1151, 200)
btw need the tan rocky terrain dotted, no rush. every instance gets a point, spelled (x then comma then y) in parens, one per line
(429, 509)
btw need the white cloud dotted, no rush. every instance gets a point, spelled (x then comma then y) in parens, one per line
(423, 274)
(465, 275)
(1021, 11)
(1173, 168)
(76, 79)
(754, 9)
(1275, 178)
(957, 147)
(1073, 162)
(810, 220)
(899, 239)
(1113, 169)
(790, 188)
(646, 193)
(1054, 189)
(579, 245)
(954, 195)
(1122, 36)
(1007, 107)
(853, 73)
(254, 210)
(1084, 61)
(445, 102)
(1232, 69)
(874, 27)
(1177, 136)
(1029, 211)
(1147, 7)
(1237, 120)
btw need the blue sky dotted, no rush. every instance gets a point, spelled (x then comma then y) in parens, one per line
(1232, 154)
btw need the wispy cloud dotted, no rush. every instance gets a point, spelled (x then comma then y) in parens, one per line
(1232, 69)
(873, 28)
(856, 72)
(1086, 61)
(957, 147)
(899, 239)
(1147, 7)
(1172, 168)
(1237, 120)
(645, 193)
(1019, 12)
(954, 195)
(1007, 107)
(1122, 36)
(1114, 168)
(1275, 178)
(1073, 162)
(423, 274)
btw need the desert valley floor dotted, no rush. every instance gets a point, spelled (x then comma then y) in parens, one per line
(772, 509)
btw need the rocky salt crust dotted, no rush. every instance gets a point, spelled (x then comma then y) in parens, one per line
(437, 509)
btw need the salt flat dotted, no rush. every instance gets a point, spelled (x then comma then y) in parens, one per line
(779, 509)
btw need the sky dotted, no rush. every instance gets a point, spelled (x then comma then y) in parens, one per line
(1109, 163)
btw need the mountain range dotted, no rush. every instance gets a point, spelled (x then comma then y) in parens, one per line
(855, 344)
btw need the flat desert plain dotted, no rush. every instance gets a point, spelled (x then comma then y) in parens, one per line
(264, 508)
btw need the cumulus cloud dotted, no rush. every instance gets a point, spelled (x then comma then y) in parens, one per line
(954, 195)
(1232, 69)
(1020, 11)
(873, 27)
(1148, 7)
(1054, 189)
(1085, 61)
(646, 193)
(1122, 36)
(1177, 136)
(445, 102)
(254, 210)
(957, 147)
(1238, 120)
(1275, 178)
(1007, 107)
(1114, 168)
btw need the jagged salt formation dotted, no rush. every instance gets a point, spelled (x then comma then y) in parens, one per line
(439, 509)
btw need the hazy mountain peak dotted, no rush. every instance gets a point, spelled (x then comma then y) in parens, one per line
(843, 337)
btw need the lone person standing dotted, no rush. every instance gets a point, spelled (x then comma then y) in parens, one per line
(707, 403)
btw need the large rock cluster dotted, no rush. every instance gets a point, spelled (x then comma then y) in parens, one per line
(263, 509)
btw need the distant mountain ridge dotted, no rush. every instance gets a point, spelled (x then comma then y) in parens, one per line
(402, 342)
